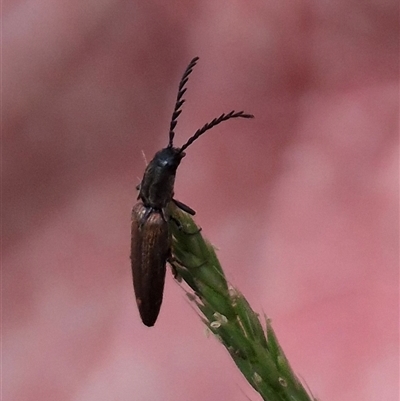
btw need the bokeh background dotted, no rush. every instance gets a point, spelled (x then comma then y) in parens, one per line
(302, 201)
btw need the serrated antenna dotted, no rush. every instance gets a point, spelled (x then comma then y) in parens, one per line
(180, 100)
(213, 123)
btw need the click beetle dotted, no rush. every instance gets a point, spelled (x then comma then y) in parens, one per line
(150, 236)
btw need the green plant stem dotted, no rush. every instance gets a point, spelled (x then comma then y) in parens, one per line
(228, 315)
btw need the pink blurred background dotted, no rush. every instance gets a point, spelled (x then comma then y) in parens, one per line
(302, 201)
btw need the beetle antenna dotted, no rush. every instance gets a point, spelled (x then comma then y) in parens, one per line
(180, 100)
(213, 123)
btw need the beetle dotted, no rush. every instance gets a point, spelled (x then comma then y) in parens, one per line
(150, 236)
